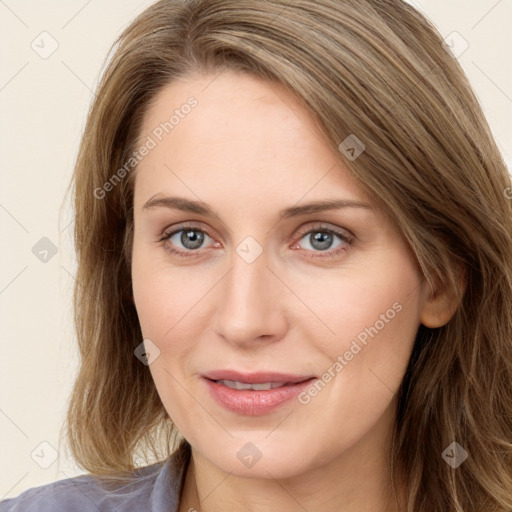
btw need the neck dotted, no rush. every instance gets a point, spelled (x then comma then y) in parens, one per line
(312, 492)
(357, 480)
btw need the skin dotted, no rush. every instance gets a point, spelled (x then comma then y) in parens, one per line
(248, 150)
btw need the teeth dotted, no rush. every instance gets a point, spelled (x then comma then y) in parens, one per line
(233, 384)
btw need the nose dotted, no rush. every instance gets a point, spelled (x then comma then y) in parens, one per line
(251, 307)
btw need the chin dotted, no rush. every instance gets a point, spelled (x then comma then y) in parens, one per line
(252, 456)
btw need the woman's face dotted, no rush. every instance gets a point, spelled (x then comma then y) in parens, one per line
(331, 298)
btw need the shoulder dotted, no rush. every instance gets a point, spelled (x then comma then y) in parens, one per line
(152, 488)
(84, 493)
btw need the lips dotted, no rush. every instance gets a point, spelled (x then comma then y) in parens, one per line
(257, 377)
(254, 394)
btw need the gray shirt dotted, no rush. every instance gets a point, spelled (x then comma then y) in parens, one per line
(155, 488)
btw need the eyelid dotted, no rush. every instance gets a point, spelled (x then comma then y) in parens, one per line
(172, 230)
(342, 232)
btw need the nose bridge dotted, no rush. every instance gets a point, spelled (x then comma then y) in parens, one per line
(248, 278)
(249, 304)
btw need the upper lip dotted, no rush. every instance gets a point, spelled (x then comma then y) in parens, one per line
(256, 377)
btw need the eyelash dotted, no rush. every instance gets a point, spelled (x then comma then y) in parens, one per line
(348, 240)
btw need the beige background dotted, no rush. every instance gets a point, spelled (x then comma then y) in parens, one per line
(43, 104)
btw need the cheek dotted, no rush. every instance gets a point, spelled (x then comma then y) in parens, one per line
(163, 296)
(370, 309)
(163, 301)
(373, 317)
(345, 302)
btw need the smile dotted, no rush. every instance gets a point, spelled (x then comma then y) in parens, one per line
(254, 398)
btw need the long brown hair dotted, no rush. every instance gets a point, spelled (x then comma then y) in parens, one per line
(373, 68)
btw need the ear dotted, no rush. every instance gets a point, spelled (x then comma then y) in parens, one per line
(441, 303)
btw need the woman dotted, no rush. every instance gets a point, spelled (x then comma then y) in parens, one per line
(294, 274)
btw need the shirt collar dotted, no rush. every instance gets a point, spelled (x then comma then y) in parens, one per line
(168, 485)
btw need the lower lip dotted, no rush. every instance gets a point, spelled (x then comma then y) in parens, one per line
(250, 402)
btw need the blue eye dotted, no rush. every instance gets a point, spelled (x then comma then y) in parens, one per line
(190, 237)
(319, 237)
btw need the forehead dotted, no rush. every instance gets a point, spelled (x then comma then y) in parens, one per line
(243, 134)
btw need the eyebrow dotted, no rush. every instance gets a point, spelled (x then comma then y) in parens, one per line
(188, 205)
